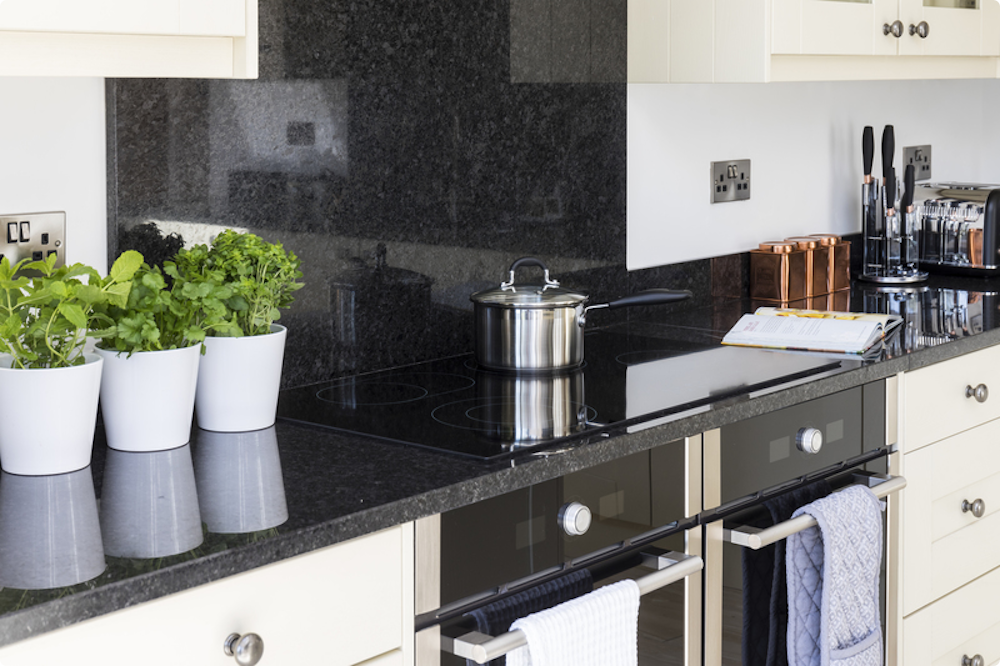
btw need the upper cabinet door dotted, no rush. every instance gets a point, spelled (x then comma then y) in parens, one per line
(728, 41)
(949, 27)
(829, 27)
(129, 38)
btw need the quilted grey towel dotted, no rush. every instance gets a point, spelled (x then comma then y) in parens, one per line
(833, 582)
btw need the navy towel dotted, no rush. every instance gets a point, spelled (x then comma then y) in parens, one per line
(765, 597)
(495, 618)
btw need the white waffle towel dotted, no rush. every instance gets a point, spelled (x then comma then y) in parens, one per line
(597, 629)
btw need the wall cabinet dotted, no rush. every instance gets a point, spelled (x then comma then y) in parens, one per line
(347, 604)
(127, 38)
(692, 41)
(950, 540)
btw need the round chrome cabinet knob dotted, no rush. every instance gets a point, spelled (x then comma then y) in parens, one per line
(973, 661)
(895, 29)
(981, 393)
(246, 649)
(575, 518)
(809, 440)
(976, 507)
(921, 29)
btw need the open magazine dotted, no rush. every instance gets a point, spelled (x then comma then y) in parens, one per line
(850, 334)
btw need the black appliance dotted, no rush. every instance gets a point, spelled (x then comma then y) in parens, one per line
(454, 406)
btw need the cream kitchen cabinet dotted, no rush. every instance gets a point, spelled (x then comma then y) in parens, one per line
(688, 41)
(129, 38)
(347, 604)
(950, 524)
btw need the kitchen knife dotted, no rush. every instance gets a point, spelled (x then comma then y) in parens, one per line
(888, 149)
(909, 181)
(868, 149)
(890, 192)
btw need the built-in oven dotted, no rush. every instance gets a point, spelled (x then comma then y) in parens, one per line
(633, 516)
(757, 472)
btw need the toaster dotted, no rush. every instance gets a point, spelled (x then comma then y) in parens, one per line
(958, 228)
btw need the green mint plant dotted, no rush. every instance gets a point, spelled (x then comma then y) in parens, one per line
(262, 276)
(159, 316)
(45, 318)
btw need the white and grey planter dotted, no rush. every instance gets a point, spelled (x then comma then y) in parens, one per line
(238, 382)
(147, 399)
(49, 417)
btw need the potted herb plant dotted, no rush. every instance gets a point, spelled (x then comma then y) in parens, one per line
(49, 386)
(240, 372)
(151, 348)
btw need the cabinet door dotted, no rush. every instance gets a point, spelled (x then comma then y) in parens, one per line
(963, 624)
(945, 547)
(134, 17)
(954, 27)
(337, 606)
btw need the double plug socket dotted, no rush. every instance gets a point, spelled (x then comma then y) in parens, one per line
(920, 158)
(33, 236)
(730, 181)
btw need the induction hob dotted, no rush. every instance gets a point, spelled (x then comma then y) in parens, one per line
(452, 405)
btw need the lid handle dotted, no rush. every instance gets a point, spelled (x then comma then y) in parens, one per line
(528, 261)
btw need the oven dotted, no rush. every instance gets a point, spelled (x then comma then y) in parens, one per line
(693, 504)
(642, 514)
(756, 472)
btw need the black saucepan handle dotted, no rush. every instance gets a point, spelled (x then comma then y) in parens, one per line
(528, 261)
(650, 297)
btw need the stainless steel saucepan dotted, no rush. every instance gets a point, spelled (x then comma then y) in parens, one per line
(526, 326)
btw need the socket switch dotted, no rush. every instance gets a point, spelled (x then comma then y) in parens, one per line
(920, 158)
(33, 236)
(730, 181)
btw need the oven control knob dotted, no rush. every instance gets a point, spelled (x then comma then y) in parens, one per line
(809, 440)
(575, 518)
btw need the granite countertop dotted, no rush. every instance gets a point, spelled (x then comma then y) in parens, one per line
(338, 486)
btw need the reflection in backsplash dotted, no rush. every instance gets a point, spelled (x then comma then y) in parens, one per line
(407, 152)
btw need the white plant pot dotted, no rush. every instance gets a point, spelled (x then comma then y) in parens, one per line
(49, 416)
(147, 399)
(238, 381)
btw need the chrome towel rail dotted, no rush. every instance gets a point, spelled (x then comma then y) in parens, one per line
(756, 538)
(480, 648)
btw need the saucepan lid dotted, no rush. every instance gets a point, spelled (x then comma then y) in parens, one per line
(513, 294)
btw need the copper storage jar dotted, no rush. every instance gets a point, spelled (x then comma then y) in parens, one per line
(817, 264)
(532, 327)
(777, 272)
(840, 260)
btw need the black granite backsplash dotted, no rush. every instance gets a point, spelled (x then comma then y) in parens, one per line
(408, 152)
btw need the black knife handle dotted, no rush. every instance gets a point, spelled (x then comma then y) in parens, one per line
(868, 148)
(888, 149)
(909, 181)
(890, 189)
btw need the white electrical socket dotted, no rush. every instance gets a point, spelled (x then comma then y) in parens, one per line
(33, 236)
(730, 181)
(920, 158)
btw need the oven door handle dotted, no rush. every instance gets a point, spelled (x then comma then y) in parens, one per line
(756, 538)
(481, 648)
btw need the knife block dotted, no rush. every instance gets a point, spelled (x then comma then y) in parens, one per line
(891, 239)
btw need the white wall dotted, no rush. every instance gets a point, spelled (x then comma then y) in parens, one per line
(804, 141)
(52, 157)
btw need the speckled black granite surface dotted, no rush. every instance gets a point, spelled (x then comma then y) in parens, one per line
(457, 134)
(341, 486)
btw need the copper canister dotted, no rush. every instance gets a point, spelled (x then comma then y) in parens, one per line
(817, 264)
(840, 260)
(777, 272)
